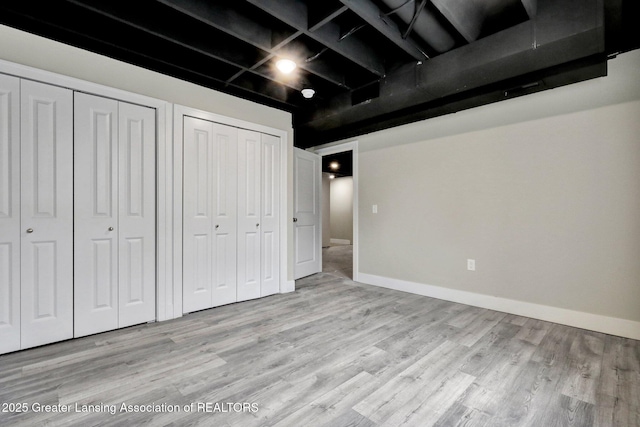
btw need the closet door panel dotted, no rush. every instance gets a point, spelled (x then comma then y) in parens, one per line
(46, 214)
(9, 214)
(270, 217)
(95, 214)
(137, 225)
(198, 215)
(249, 214)
(225, 160)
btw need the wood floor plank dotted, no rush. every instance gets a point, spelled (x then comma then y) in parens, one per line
(613, 412)
(621, 370)
(533, 331)
(349, 418)
(491, 346)
(383, 403)
(458, 415)
(333, 403)
(583, 378)
(431, 400)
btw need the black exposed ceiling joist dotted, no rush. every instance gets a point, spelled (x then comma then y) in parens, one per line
(371, 14)
(465, 16)
(531, 6)
(223, 51)
(318, 18)
(295, 14)
(250, 31)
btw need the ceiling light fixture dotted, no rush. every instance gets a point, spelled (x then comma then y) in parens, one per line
(308, 93)
(286, 65)
(334, 165)
(332, 176)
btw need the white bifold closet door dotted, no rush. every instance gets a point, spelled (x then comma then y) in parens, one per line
(258, 201)
(46, 191)
(210, 206)
(114, 236)
(9, 214)
(231, 196)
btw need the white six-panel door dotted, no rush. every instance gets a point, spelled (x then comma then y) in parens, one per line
(306, 213)
(210, 228)
(114, 220)
(9, 214)
(46, 214)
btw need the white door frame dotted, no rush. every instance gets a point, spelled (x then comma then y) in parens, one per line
(179, 111)
(326, 150)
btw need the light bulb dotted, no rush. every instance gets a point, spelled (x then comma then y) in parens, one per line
(286, 65)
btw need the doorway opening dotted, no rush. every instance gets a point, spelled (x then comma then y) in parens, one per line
(339, 210)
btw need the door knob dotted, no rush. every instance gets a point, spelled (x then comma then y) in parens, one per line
(257, 225)
(29, 230)
(295, 219)
(110, 228)
(217, 226)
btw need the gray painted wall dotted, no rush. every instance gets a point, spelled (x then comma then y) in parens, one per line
(342, 208)
(548, 204)
(326, 210)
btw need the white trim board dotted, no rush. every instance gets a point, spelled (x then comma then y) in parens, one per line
(594, 322)
(289, 286)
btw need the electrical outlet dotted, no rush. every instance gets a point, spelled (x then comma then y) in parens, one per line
(374, 208)
(471, 264)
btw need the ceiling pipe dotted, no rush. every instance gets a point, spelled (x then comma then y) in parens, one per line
(426, 25)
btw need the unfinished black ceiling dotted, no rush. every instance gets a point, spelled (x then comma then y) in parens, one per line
(372, 63)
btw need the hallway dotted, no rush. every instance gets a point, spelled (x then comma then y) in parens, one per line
(338, 260)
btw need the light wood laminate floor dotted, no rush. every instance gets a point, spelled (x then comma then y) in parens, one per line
(334, 353)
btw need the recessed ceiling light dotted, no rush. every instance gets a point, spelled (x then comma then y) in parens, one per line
(332, 176)
(334, 165)
(286, 65)
(308, 93)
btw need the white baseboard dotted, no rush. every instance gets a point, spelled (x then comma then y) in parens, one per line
(288, 286)
(594, 322)
(341, 241)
